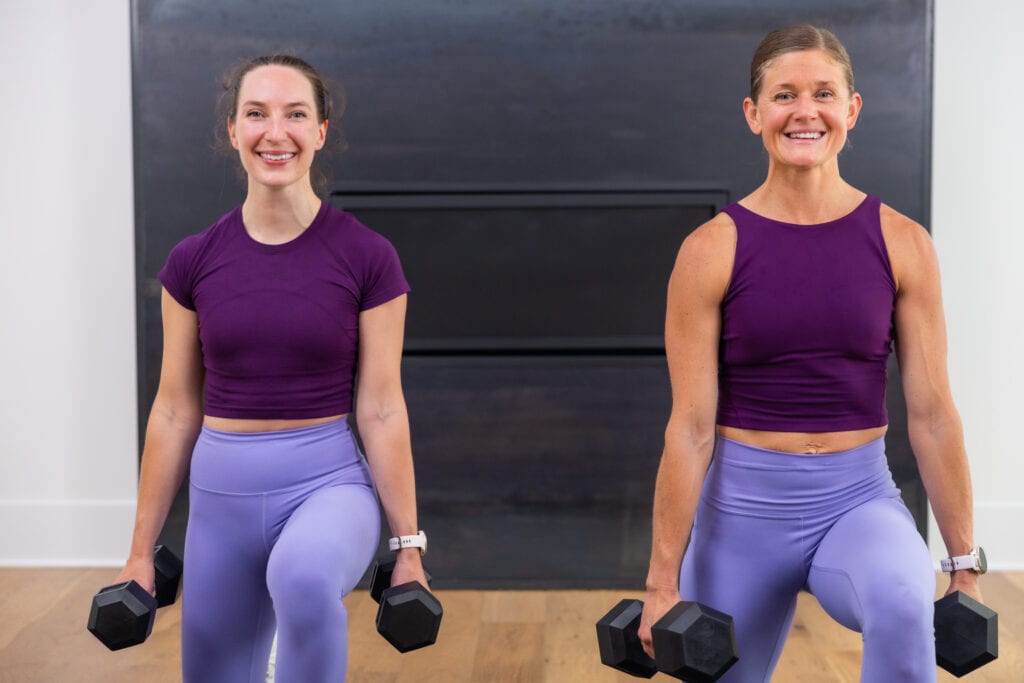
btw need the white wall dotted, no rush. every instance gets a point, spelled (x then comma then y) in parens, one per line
(67, 321)
(67, 335)
(977, 189)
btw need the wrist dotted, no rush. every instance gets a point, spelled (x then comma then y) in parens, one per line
(144, 554)
(408, 556)
(662, 586)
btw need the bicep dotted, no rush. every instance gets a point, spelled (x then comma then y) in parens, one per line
(181, 368)
(693, 322)
(381, 333)
(920, 325)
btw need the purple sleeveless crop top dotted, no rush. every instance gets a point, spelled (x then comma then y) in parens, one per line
(807, 324)
(279, 324)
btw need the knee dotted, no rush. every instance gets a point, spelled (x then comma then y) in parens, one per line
(899, 636)
(302, 592)
(900, 610)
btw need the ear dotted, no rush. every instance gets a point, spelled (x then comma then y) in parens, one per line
(231, 134)
(854, 110)
(321, 137)
(750, 113)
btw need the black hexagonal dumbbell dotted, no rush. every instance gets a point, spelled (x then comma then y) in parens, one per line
(122, 615)
(966, 634)
(692, 642)
(409, 616)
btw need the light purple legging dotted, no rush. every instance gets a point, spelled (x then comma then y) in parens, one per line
(770, 524)
(281, 526)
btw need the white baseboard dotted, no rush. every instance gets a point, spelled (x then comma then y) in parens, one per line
(65, 533)
(997, 526)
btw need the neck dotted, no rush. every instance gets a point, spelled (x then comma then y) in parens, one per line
(805, 196)
(278, 215)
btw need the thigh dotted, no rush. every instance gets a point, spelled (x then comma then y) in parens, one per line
(326, 543)
(227, 618)
(752, 569)
(872, 559)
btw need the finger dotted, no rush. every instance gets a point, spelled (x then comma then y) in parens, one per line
(646, 641)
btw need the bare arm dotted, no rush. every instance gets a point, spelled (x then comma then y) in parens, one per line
(692, 326)
(384, 426)
(174, 424)
(936, 434)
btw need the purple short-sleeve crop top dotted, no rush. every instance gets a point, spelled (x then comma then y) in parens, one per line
(807, 324)
(279, 324)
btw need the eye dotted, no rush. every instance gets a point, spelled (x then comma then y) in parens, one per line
(299, 114)
(253, 114)
(783, 97)
(826, 94)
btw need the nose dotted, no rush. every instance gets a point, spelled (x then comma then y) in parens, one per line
(807, 107)
(276, 128)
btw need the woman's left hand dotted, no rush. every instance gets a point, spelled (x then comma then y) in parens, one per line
(965, 581)
(408, 567)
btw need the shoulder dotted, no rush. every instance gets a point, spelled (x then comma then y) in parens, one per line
(712, 240)
(192, 246)
(707, 254)
(910, 247)
(342, 228)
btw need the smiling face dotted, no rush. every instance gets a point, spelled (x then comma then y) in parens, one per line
(275, 127)
(803, 110)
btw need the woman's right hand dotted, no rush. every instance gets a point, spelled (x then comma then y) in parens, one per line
(141, 571)
(656, 604)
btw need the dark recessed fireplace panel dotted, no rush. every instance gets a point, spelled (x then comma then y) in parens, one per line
(524, 271)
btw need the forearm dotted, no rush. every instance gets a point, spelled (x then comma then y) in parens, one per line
(385, 435)
(165, 460)
(938, 446)
(681, 473)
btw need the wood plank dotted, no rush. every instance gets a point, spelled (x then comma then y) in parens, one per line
(570, 637)
(509, 651)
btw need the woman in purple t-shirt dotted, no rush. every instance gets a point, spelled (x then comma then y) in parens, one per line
(272, 317)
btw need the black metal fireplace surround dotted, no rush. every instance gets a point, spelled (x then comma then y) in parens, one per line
(537, 165)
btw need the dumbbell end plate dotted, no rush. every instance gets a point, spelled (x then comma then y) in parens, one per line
(122, 615)
(619, 643)
(409, 616)
(966, 634)
(695, 643)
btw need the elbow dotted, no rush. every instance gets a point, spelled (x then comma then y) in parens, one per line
(375, 414)
(179, 414)
(933, 421)
(695, 434)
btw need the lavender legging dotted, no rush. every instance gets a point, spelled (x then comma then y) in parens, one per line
(281, 526)
(770, 524)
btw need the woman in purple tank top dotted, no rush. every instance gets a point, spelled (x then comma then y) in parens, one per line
(272, 317)
(782, 311)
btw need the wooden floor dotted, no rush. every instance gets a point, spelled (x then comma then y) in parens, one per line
(486, 636)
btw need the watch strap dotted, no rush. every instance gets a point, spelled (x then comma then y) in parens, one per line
(419, 540)
(960, 562)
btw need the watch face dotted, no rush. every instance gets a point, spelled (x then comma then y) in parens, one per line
(982, 562)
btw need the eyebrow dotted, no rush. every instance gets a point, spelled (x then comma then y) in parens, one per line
(290, 105)
(790, 86)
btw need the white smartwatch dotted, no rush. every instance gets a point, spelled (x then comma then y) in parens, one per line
(418, 541)
(975, 562)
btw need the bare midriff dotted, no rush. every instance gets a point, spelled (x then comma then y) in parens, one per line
(806, 443)
(230, 424)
